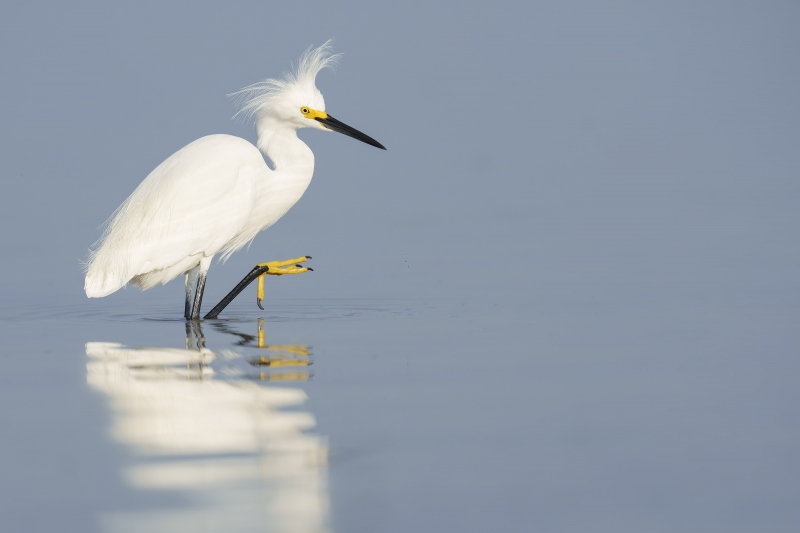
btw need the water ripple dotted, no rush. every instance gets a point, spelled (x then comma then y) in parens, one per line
(160, 311)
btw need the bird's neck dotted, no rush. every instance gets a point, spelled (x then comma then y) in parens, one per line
(294, 166)
(289, 155)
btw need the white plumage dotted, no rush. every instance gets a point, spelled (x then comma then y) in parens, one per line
(214, 195)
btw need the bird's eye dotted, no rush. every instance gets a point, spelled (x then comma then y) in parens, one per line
(304, 110)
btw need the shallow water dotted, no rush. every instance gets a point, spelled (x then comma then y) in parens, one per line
(579, 257)
(362, 415)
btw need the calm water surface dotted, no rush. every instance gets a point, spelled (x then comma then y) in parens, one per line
(362, 415)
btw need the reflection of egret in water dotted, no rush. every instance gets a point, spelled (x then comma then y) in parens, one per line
(208, 428)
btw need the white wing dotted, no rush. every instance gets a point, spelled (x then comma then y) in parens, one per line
(190, 206)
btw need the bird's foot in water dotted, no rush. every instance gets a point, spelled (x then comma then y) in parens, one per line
(279, 268)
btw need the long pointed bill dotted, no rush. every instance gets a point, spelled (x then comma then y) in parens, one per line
(335, 125)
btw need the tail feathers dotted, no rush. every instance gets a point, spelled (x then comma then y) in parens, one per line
(99, 284)
(107, 272)
(110, 272)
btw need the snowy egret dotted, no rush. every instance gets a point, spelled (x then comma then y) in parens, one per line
(216, 194)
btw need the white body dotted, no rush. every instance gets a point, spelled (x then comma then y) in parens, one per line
(211, 196)
(214, 195)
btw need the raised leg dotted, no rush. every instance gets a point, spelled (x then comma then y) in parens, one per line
(247, 280)
(275, 268)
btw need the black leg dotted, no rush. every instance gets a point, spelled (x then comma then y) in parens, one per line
(198, 295)
(187, 306)
(247, 280)
(190, 279)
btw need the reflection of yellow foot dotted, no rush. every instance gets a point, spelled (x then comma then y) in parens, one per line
(298, 376)
(276, 360)
(279, 268)
(281, 355)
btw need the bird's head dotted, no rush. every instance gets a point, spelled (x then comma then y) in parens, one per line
(294, 100)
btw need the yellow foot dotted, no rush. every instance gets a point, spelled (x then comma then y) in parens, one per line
(279, 268)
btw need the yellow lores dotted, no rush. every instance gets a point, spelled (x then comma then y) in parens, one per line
(278, 268)
(312, 113)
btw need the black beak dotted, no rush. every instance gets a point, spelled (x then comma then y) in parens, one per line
(335, 125)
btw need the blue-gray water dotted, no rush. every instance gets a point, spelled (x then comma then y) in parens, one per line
(595, 414)
(565, 299)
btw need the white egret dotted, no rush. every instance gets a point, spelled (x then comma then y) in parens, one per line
(216, 194)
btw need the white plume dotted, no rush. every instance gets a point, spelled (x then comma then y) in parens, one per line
(263, 97)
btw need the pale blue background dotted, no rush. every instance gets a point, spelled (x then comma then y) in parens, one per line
(585, 230)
